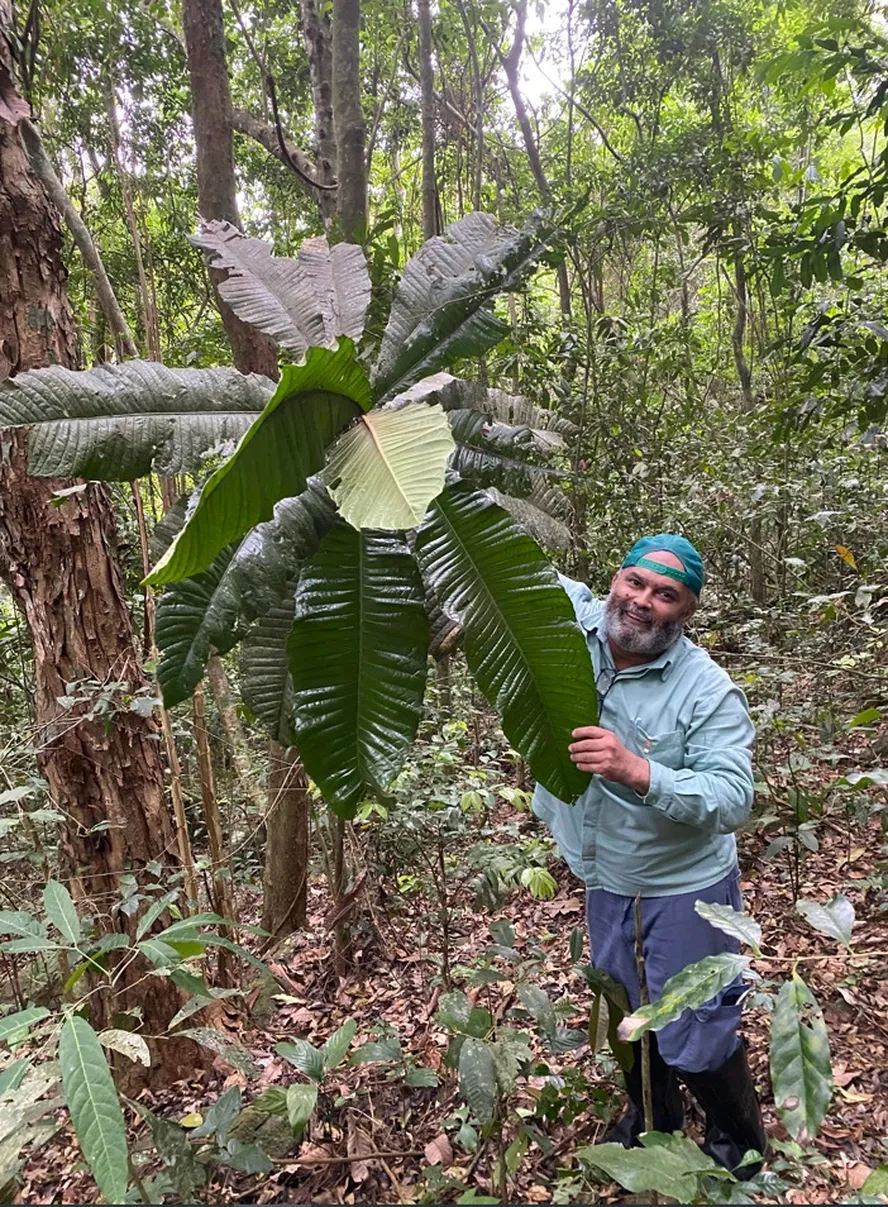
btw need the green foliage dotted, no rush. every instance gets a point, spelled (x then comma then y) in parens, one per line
(671, 1165)
(800, 1066)
(357, 654)
(521, 638)
(686, 990)
(282, 449)
(94, 1107)
(117, 422)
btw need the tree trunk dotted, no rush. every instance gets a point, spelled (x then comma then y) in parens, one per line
(317, 32)
(511, 63)
(348, 117)
(287, 843)
(106, 778)
(216, 188)
(427, 85)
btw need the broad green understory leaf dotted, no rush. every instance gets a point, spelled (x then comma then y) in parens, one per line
(266, 686)
(801, 1072)
(835, 919)
(212, 609)
(522, 642)
(442, 308)
(670, 1165)
(94, 1107)
(283, 448)
(358, 661)
(477, 1078)
(117, 422)
(61, 911)
(385, 469)
(301, 303)
(732, 922)
(688, 989)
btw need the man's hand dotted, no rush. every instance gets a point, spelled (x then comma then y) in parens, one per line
(600, 752)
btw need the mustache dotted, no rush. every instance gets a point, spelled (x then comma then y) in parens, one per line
(636, 613)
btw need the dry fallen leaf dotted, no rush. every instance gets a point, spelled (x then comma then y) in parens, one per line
(438, 1151)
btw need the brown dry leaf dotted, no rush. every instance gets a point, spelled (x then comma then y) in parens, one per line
(438, 1151)
(857, 1175)
(358, 1143)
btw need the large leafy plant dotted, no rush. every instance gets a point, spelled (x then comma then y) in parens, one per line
(354, 497)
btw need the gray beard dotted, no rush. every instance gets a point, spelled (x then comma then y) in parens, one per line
(634, 640)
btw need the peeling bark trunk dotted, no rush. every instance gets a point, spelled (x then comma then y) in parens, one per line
(216, 190)
(59, 565)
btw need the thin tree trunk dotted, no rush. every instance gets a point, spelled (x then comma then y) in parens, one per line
(317, 32)
(427, 87)
(106, 780)
(233, 734)
(478, 88)
(45, 172)
(348, 120)
(511, 63)
(223, 897)
(287, 843)
(216, 189)
(149, 312)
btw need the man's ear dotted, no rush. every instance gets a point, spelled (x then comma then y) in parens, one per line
(615, 578)
(692, 606)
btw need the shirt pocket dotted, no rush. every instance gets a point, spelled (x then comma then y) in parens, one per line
(664, 748)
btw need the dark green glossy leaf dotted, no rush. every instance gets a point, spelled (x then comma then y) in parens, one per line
(244, 581)
(358, 660)
(94, 1106)
(477, 1078)
(522, 642)
(283, 448)
(117, 422)
(266, 685)
(441, 310)
(688, 989)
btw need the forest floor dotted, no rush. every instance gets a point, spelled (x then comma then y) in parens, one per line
(402, 1142)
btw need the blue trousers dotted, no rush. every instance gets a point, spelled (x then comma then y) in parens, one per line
(673, 936)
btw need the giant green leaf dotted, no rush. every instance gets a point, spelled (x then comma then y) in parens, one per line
(117, 422)
(358, 660)
(386, 469)
(801, 1072)
(688, 989)
(244, 581)
(94, 1107)
(302, 303)
(522, 641)
(274, 460)
(266, 686)
(441, 310)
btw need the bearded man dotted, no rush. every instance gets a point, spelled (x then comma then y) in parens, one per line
(671, 767)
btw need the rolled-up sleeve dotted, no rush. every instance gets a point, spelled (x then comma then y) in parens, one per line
(714, 789)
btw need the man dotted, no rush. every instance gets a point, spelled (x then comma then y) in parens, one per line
(672, 780)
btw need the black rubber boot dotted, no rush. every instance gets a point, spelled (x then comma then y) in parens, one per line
(665, 1099)
(733, 1115)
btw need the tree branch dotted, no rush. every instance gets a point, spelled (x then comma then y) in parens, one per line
(281, 148)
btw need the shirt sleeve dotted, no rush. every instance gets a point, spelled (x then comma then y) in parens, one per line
(714, 789)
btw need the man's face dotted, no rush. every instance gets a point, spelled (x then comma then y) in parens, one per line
(646, 612)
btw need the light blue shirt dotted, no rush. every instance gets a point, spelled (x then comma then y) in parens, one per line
(685, 716)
